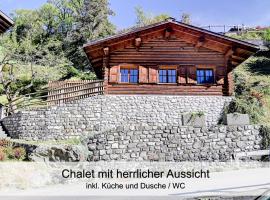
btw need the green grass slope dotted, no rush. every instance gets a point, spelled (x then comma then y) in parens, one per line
(252, 88)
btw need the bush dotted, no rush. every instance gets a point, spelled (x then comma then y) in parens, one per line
(246, 105)
(9, 152)
(4, 143)
(19, 153)
(265, 133)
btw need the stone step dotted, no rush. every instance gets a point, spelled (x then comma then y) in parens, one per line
(3, 133)
(3, 136)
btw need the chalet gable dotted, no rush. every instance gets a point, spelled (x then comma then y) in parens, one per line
(236, 50)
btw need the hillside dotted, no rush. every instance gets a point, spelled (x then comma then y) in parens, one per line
(252, 80)
(252, 88)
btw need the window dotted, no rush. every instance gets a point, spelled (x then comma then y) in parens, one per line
(167, 76)
(205, 76)
(129, 75)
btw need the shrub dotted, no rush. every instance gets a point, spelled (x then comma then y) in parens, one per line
(19, 153)
(265, 133)
(4, 143)
(246, 105)
(9, 152)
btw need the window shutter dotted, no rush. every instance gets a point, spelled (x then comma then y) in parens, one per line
(153, 75)
(143, 74)
(220, 74)
(182, 74)
(114, 74)
(192, 75)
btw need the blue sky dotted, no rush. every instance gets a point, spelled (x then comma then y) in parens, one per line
(203, 12)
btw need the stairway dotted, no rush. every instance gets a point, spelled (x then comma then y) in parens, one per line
(3, 133)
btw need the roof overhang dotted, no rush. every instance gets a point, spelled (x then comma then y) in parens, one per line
(238, 50)
(5, 22)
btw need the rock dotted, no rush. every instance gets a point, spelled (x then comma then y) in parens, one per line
(59, 153)
(234, 119)
(114, 145)
(194, 120)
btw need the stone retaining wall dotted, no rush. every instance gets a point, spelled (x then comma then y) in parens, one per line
(155, 143)
(106, 112)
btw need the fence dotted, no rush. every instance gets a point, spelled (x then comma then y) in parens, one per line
(57, 92)
(65, 91)
(231, 28)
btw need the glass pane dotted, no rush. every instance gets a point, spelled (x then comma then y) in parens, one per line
(162, 72)
(134, 79)
(208, 72)
(133, 76)
(200, 72)
(205, 76)
(171, 79)
(172, 72)
(200, 80)
(162, 76)
(133, 72)
(124, 75)
(207, 79)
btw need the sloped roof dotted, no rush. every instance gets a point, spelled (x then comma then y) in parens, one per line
(221, 43)
(136, 30)
(5, 22)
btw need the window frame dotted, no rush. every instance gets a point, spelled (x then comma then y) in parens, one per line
(128, 67)
(204, 75)
(167, 68)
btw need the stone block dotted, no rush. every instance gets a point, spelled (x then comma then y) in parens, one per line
(236, 119)
(193, 119)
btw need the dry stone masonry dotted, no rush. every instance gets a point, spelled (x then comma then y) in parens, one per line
(106, 112)
(170, 143)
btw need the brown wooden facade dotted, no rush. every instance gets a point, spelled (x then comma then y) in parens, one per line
(168, 47)
(5, 22)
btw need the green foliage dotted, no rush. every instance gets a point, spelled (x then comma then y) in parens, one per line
(18, 153)
(252, 89)
(248, 35)
(9, 152)
(73, 73)
(144, 18)
(186, 18)
(45, 44)
(266, 35)
(246, 105)
(54, 34)
(265, 133)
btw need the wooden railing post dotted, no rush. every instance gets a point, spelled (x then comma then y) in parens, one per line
(65, 91)
(105, 68)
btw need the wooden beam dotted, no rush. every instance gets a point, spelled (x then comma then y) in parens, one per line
(167, 33)
(106, 51)
(138, 42)
(229, 53)
(200, 42)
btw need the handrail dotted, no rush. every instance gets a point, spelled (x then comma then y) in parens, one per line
(58, 92)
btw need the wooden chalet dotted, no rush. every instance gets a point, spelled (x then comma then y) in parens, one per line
(170, 58)
(5, 22)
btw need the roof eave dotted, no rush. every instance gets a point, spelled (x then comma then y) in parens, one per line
(104, 40)
(7, 18)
